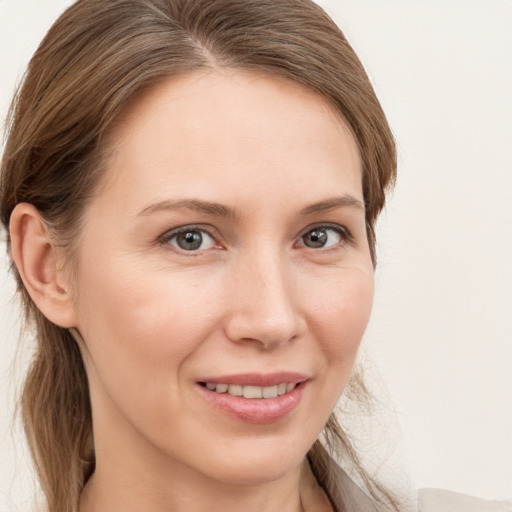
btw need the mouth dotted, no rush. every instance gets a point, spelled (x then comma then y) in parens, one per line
(250, 391)
(254, 398)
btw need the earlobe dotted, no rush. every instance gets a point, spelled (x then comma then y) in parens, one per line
(38, 264)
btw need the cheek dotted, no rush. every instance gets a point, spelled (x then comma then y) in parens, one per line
(140, 332)
(342, 310)
(142, 321)
(339, 307)
(338, 319)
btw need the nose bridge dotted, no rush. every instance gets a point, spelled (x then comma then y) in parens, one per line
(263, 308)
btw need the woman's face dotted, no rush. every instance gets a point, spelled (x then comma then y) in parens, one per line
(224, 253)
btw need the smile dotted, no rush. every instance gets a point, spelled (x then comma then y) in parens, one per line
(252, 391)
(255, 398)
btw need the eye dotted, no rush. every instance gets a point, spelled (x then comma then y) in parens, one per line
(323, 237)
(189, 239)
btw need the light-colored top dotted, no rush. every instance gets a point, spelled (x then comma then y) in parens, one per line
(346, 496)
(438, 500)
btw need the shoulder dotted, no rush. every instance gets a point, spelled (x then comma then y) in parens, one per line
(438, 500)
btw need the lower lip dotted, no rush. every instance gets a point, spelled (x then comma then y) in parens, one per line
(255, 410)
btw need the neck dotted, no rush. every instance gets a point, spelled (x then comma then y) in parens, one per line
(183, 492)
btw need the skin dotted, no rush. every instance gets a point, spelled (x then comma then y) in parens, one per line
(253, 298)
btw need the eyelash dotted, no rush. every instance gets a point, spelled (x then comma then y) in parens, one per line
(343, 232)
(345, 235)
(166, 238)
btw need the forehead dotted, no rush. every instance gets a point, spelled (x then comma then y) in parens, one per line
(209, 128)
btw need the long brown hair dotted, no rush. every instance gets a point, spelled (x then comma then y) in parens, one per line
(93, 60)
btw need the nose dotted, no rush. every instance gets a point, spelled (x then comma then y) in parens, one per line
(263, 304)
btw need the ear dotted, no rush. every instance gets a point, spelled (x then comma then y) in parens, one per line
(39, 264)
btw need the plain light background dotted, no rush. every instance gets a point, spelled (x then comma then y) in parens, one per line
(441, 331)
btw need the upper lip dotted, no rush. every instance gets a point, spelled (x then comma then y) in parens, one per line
(258, 379)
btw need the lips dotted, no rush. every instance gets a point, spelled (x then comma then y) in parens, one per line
(255, 398)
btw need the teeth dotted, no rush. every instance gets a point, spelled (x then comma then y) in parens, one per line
(290, 387)
(235, 390)
(270, 392)
(252, 391)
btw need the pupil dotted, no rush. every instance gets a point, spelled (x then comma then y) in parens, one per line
(190, 240)
(316, 238)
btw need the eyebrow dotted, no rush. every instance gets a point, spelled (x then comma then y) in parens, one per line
(332, 203)
(221, 210)
(206, 207)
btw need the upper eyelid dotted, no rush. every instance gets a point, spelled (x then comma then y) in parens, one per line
(347, 237)
(328, 225)
(188, 227)
(167, 236)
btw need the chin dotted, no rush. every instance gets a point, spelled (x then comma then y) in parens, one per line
(257, 474)
(257, 465)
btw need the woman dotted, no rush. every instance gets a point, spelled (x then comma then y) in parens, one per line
(191, 190)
